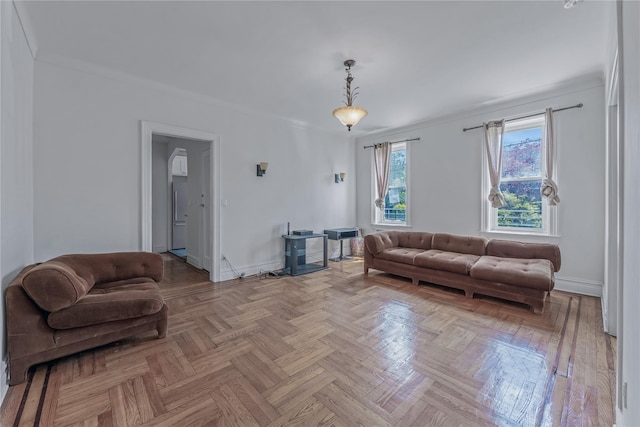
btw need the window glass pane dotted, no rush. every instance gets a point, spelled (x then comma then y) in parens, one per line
(521, 153)
(396, 198)
(524, 204)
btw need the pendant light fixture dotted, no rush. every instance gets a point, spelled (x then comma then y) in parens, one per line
(349, 115)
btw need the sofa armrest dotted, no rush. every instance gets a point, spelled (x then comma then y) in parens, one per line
(27, 329)
(514, 249)
(377, 242)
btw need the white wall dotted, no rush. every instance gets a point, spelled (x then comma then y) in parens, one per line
(87, 167)
(16, 169)
(445, 177)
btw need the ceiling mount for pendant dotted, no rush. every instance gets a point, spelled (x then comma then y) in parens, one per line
(568, 4)
(349, 115)
(349, 63)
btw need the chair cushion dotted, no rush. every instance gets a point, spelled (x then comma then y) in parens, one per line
(401, 255)
(446, 261)
(108, 302)
(528, 273)
(54, 285)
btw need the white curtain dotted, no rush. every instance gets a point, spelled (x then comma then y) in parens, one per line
(493, 132)
(549, 188)
(382, 161)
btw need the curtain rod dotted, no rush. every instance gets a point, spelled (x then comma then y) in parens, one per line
(580, 105)
(394, 142)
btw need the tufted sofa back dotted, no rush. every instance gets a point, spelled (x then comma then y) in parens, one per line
(415, 239)
(462, 244)
(382, 240)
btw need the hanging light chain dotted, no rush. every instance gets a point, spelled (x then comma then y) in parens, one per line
(351, 96)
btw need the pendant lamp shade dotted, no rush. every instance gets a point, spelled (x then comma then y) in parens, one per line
(350, 115)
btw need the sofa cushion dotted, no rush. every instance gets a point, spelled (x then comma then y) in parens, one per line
(415, 239)
(401, 255)
(461, 244)
(446, 261)
(528, 273)
(513, 249)
(54, 285)
(108, 302)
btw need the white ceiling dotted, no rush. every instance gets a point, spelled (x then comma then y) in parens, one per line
(415, 60)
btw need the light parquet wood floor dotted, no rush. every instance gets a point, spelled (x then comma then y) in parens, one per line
(335, 348)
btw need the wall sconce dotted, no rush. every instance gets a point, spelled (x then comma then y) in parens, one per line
(339, 177)
(262, 168)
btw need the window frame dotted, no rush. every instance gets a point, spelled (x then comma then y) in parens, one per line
(490, 215)
(377, 217)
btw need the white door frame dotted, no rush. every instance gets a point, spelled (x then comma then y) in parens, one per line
(205, 203)
(613, 211)
(147, 130)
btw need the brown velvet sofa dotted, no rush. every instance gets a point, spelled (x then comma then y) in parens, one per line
(77, 302)
(516, 271)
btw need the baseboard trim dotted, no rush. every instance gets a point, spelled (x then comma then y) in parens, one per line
(251, 270)
(159, 249)
(194, 261)
(579, 286)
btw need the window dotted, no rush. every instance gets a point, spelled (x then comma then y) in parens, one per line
(395, 211)
(521, 178)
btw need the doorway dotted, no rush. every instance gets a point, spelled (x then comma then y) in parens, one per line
(203, 210)
(178, 177)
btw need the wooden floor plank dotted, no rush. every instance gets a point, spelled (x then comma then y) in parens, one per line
(33, 398)
(336, 348)
(354, 409)
(309, 413)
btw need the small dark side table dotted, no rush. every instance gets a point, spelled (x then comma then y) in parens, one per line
(341, 234)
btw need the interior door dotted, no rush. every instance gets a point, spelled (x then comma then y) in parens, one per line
(207, 240)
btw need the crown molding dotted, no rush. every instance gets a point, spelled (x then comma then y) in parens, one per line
(130, 79)
(514, 100)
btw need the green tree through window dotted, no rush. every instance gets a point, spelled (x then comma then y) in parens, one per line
(521, 179)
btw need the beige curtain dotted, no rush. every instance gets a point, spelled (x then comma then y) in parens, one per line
(382, 161)
(493, 133)
(549, 188)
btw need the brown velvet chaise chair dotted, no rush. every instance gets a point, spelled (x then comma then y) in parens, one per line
(77, 302)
